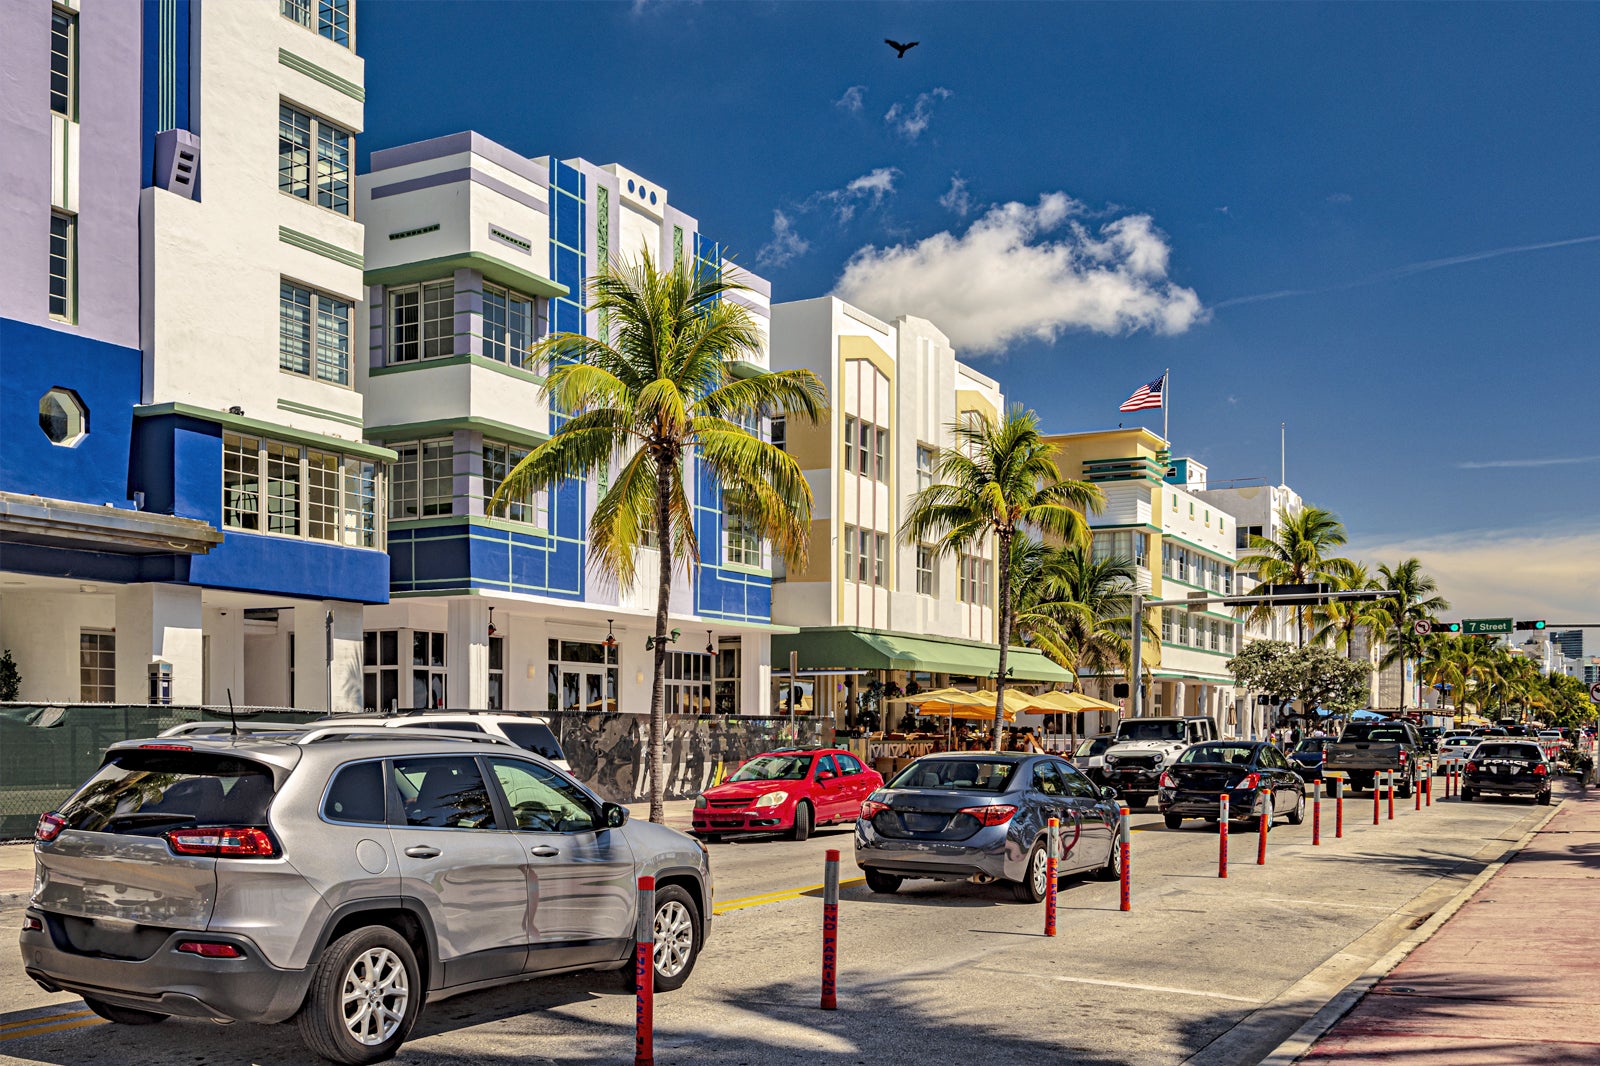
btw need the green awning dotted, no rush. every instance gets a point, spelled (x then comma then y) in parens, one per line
(844, 648)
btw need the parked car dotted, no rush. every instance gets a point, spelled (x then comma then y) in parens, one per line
(1507, 768)
(1090, 756)
(1455, 746)
(527, 731)
(789, 791)
(1309, 755)
(1247, 770)
(1367, 750)
(1144, 747)
(264, 878)
(985, 816)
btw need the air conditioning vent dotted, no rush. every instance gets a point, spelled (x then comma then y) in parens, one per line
(178, 163)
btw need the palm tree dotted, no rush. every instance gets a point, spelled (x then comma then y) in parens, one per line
(658, 390)
(998, 479)
(1413, 597)
(1073, 607)
(1299, 554)
(1340, 620)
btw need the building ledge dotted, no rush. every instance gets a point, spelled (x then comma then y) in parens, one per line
(496, 270)
(258, 428)
(65, 523)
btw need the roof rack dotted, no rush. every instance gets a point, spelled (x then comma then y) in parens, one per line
(357, 732)
(212, 728)
(418, 712)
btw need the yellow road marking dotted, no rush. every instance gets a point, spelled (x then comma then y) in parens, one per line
(774, 897)
(5, 1026)
(42, 1030)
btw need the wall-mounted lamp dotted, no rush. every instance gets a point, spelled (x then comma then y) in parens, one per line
(236, 410)
(611, 640)
(491, 621)
(650, 642)
(710, 648)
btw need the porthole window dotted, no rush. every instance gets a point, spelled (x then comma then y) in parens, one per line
(630, 184)
(63, 417)
(652, 197)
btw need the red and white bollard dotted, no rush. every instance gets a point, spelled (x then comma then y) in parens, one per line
(644, 975)
(1266, 827)
(1316, 811)
(1416, 793)
(1338, 806)
(1052, 850)
(830, 931)
(1125, 842)
(1377, 800)
(1388, 779)
(1427, 786)
(1222, 838)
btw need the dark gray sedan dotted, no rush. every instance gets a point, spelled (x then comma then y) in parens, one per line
(983, 816)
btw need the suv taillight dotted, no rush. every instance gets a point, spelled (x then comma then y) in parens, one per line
(1471, 766)
(210, 949)
(1402, 756)
(1541, 769)
(223, 842)
(49, 827)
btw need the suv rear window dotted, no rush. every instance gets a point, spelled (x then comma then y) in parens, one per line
(1508, 751)
(146, 793)
(1385, 732)
(535, 737)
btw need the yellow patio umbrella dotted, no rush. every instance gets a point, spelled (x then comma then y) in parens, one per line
(956, 703)
(1074, 703)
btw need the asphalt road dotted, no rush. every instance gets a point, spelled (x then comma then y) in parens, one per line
(1201, 970)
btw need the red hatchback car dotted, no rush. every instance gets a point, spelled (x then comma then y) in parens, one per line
(786, 791)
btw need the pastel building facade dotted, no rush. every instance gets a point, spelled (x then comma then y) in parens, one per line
(188, 501)
(474, 253)
(869, 606)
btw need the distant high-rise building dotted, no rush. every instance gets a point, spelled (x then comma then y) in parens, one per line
(1570, 641)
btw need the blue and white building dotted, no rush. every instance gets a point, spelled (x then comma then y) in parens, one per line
(473, 253)
(185, 490)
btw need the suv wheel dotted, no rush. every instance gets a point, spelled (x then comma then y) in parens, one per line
(122, 1015)
(881, 883)
(365, 996)
(1174, 821)
(677, 937)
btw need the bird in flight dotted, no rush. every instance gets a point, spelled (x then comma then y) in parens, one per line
(900, 49)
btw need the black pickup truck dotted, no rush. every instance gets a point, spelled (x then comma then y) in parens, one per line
(1366, 749)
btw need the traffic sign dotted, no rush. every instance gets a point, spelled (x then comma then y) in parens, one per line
(1594, 692)
(1422, 627)
(1486, 625)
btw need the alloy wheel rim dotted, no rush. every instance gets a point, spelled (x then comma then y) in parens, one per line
(674, 938)
(374, 996)
(1041, 873)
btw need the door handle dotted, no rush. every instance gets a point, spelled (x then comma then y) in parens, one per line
(544, 851)
(422, 851)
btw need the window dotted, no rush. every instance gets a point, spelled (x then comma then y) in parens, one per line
(1242, 536)
(866, 449)
(863, 555)
(780, 433)
(241, 481)
(310, 493)
(1166, 626)
(63, 267)
(308, 319)
(446, 793)
(882, 471)
(849, 444)
(688, 683)
(728, 670)
(927, 460)
(97, 666)
(283, 488)
(880, 560)
(848, 766)
(332, 17)
(429, 672)
(849, 553)
(926, 573)
(1047, 779)
(357, 795)
(1124, 544)
(541, 800)
(64, 64)
(63, 417)
(322, 496)
(743, 542)
(498, 462)
(299, 134)
(422, 321)
(497, 673)
(380, 670)
(508, 325)
(583, 676)
(423, 481)
(975, 575)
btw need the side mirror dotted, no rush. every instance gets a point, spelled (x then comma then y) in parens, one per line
(1108, 792)
(826, 775)
(614, 815)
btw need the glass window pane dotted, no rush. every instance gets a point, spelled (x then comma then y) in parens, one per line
(294, 328)
(333, 340)
(63, 46)
(283, 488)
(241, 482)
(333, 168)
(294, 152)
(448, 793)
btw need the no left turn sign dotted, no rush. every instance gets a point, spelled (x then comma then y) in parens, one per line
(1594, 692)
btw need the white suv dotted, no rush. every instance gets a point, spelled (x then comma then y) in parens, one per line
(526, 731)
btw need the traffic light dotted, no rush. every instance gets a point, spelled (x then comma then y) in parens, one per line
(1447, 627)
(1531, 625)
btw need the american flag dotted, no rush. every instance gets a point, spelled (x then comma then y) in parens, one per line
(1145, 397)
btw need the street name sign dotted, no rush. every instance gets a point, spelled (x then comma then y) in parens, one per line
(1486, 625)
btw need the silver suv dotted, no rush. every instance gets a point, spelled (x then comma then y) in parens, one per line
(339, 877)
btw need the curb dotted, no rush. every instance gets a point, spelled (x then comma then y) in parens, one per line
(1302, 1040)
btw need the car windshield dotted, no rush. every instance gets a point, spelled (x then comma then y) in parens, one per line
(1216, 753)
(1377, 733)
(976, 775)
(1507, 751)
(1312, 744)
(774, 768)
(1094, 746)
(1150, 731)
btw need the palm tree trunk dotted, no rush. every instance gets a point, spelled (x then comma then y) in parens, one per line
(658, 709)
(1002, 552)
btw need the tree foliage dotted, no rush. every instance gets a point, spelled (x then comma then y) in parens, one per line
(1314, 677)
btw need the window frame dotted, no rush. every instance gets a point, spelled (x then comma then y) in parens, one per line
(355, 519)
(537, 503)
(508, 353)
(300, 13)
(926, 473)
(105, 643)
(69, 267)
(314, 308)
(424, 320)
(69, 108)
(314, 133)
(927, 570)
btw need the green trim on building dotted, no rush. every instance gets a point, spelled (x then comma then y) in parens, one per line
(1129, 468)
(526, 528)
(846, 647)
(496, 431)
(322, 74)
(744, 368)
(320, 247)
(740, 568)
(496, 270)
(459, 360)
(256, 427)
(296, 408)
(1216, 553)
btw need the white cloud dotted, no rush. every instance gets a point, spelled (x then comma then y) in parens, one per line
(957, 199)
(785, 244)
(911, 122)
(868, 190)
(1027, 271)
(1511, 464)
(1498, 573)
(853, 100)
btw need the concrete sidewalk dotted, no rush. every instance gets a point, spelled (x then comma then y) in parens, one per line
(16, 873)
(1509, 978)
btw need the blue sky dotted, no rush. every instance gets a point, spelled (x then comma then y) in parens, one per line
(1306, 211)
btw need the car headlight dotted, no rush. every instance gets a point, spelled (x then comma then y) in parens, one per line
(771, 799)
(700, 803)
(1110, 760)
(1160, 759)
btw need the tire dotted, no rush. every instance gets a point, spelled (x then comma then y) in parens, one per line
(1298, 814)
(881, 883)
(677, 937)
(1543, 798)
(1174, 821)
(710, 838)
(802, 821)
(1468, 794)
(373, 958)
(1406, 788)
(123, 1015)
(1137, 803)
(1112, 870)
(1035, 877)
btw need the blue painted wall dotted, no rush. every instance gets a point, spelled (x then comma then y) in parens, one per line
(105, 376)
(177, 42)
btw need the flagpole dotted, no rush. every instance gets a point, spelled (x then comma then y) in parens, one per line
(1166, 404)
